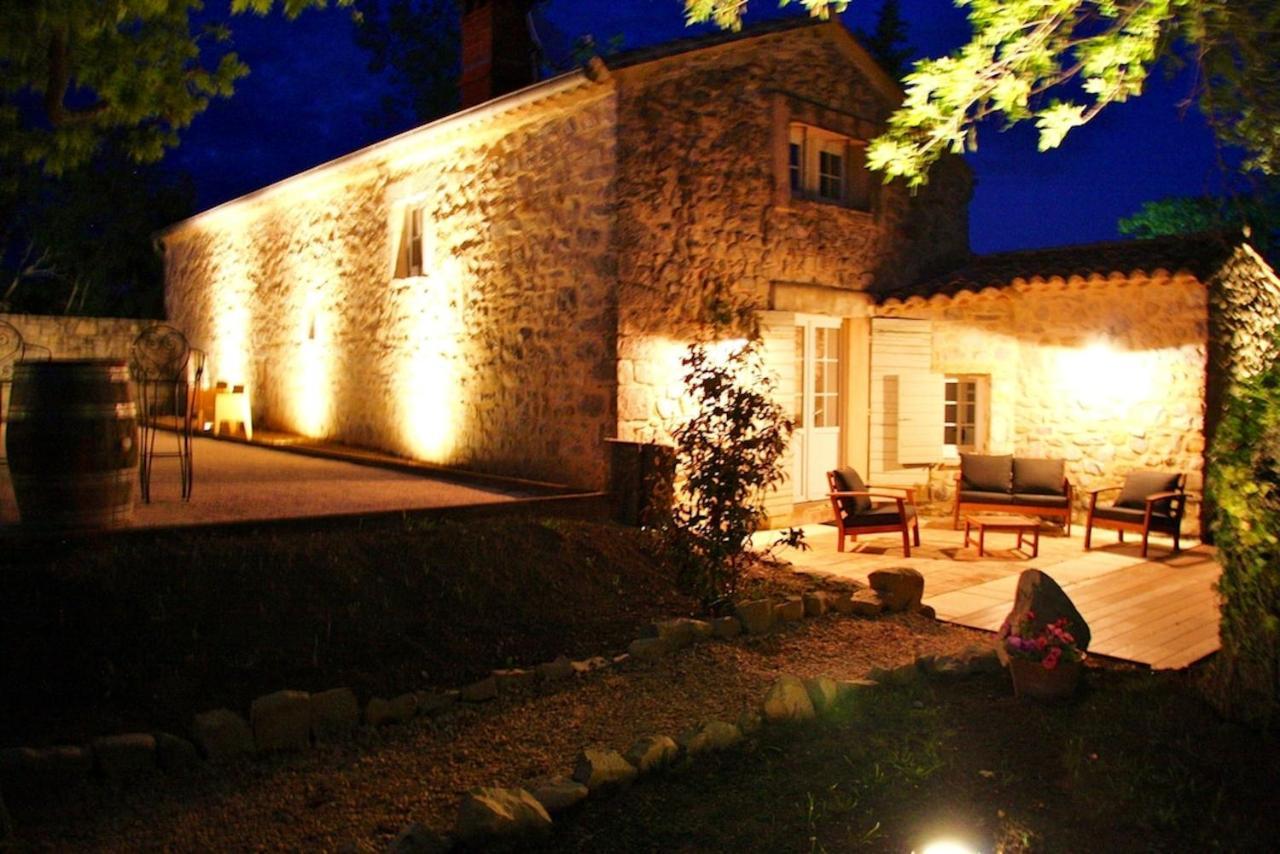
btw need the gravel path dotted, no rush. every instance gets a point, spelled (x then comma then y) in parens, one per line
(361, 794)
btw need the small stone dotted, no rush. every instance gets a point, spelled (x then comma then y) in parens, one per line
(651, 752)
(125, 758)
(840, 601)
(175, 755)
(621, 658)
(756, 616)
(787, 700)
(514, 679)
(680, 632)
(710, 736)
(432, 703)
(900, 587)
(601, 769)
(556, 793)
(815, 604)
(867, 603)
(281, 721)
(418, 839)
(928, 612)
(23, 769)
(750, 722)
(823, 692)
(398, 710)
(222, 735)
(648, 649)
(726, 628)
(790, 610)
(907, 674)
(479, 692)
(849, 687)
(556, 671)
(334, 714)
(596, 662)
(490, 812)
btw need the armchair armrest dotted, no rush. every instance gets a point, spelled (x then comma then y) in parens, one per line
(867, 493)
(909, 490)
(1105, 489)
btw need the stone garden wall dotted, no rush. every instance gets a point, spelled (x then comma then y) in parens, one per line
(1106, 373)
(498, 358)
(70, 337)
(707, 228)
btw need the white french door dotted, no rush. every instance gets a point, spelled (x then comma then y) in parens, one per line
(816, 409)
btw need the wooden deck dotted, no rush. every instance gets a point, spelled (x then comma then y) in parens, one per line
(1162, 611)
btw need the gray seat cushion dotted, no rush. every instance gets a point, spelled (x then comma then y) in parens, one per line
(880, 514)
(985, 473)
(1038, 477)
(1031, 500)
(1139, 484)
(1159, 521)
(849, 480)
(972, 496)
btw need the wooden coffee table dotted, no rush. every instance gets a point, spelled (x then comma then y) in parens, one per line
(1009, 524)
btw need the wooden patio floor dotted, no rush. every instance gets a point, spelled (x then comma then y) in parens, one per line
(1162, 611)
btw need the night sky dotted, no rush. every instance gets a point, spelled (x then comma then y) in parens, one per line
(309, 91)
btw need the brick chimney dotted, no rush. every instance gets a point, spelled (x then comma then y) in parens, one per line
(498, 49)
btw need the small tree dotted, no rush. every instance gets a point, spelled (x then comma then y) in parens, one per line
(728, 454)
(1244, 483)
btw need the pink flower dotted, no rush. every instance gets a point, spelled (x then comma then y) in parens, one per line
(1051, 658)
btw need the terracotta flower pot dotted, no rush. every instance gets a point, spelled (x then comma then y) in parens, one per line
(1031, 679)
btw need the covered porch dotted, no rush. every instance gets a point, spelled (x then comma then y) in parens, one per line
(1161, 611)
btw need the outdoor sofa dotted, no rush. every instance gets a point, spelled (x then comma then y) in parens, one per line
(1008, 484)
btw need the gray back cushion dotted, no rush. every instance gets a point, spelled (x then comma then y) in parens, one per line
(983, 473)
(1139, 484)
(849, 481)
(1037, 477)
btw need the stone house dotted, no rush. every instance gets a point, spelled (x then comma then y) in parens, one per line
(509, 288)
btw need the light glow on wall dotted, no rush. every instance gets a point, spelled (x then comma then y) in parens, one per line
(1098, 376)
(231, 317)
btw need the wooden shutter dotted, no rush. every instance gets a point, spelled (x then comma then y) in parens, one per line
(907, 397)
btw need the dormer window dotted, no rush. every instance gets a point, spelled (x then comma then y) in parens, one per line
(827, 167)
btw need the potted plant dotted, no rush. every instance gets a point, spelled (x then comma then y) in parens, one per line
(1043, 659)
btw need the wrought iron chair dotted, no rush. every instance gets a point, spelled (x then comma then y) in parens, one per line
(856, 512)
(13, 349)
(168, 372)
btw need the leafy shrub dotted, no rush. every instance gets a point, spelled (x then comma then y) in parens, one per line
(728, 454)
(1244, 485)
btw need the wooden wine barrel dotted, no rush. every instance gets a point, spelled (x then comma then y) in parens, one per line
(72, 440)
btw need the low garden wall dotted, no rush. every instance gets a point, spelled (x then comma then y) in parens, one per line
(71, 337)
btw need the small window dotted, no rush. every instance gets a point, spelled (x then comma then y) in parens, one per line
(831, 176)
(415, 241)
(964, 420)
(409, 248)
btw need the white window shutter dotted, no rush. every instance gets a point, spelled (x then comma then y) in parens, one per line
(907, 397)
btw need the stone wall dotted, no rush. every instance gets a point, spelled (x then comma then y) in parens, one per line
(499, 358)
(70, 337)
(704, 234)
(1108, 374)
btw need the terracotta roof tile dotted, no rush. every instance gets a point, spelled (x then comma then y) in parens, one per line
(1199, 254)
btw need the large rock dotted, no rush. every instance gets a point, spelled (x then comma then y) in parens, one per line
(556, 793)
(397, 710)
(756, 616)
(648, 649)
(710, 736)
(652, 752)
(823, 693)
(900, 587)
(787, 700)
(556, 671)
(334, 714)
(418, 839)
(726, 628)
(125, 758)
(679, 632)
(1040, 595)
(36, 769)
(749, 721)
(281, 721)
(602, 769)
(489, 812)
(790, 610)
(175, 755)
(222, 735)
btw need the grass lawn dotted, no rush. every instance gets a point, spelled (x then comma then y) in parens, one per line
(1136, 763)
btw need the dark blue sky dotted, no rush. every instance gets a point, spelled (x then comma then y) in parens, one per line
(309, 91)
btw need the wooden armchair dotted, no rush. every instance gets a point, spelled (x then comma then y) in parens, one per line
(1148, 501)
(856, 512)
